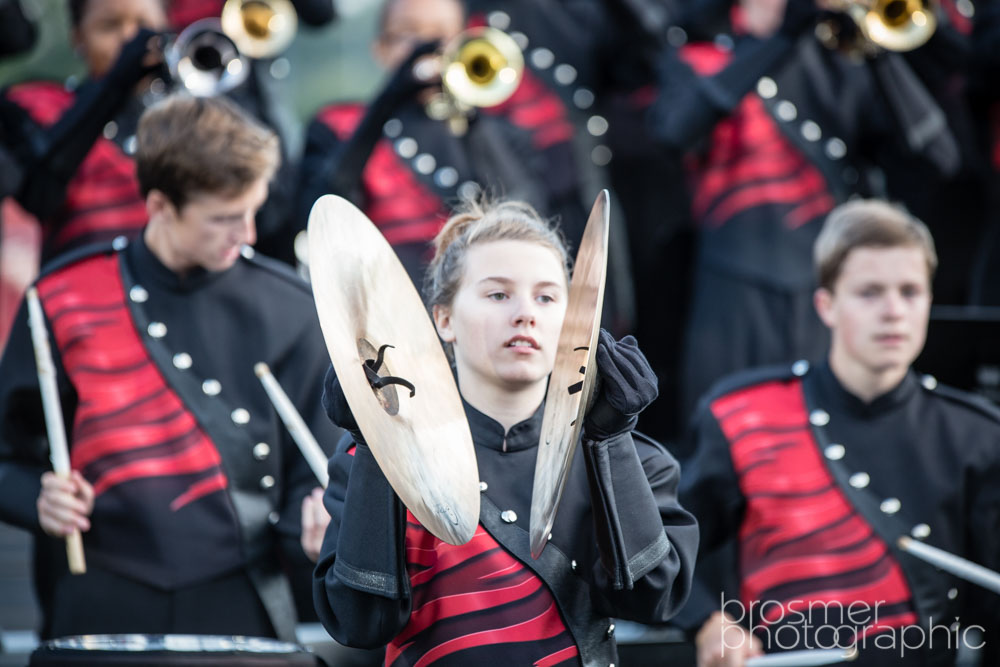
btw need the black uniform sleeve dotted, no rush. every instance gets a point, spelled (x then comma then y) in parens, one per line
(17, 33)
(647, 542)
(23, 441)
(710, 491)
(53, 163)
(321, 144)
(360, 584)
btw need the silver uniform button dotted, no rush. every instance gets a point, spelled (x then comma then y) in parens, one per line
(240, 416)
(247, 251)
(834, 452)
(498, 20)
(929, 381)
(836, 148)
(508, 516)
(520, 39)
(601, 155)
(280, 68)
(273, 518)
(572, 565)
(392, 128)
(182, 361)
(859, 480)
(800, 368)
(157, 329)
(597, 125)
(468, 190)
(611, 631)
(786, 111)
(811, 131)
(110, 129)
(446, 177)
(138, 294)
(424, 163)
(211, 387)
(119, 243)
(890, 506)
(952, 593)
(130, 145)
(483, 486)
(542, 58)
(261, 451)
(266, 482)
(819, 417)
(565, 74)
(407, 147)
(583, 98)
(921, 531)
(766, 87)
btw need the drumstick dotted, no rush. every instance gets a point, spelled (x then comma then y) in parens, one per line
(958, 566)
(52, 407)
(300, 433)
(809, 658)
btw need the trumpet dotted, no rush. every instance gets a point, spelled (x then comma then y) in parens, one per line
(209, 57)
(481, 67)
(894, 25)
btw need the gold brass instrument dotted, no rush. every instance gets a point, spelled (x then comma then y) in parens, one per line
(260, 28)
(481, 67)
(894, 25)
(209, 57)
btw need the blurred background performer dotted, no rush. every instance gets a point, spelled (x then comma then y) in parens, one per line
(76, 146)
(187, 487)
(402, 167)
(779, 129)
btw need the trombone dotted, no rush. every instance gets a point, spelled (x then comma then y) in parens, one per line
(209, 57)
(481, 67)
(894, 25)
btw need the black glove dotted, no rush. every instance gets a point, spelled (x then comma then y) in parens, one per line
(628, 386)
(345, 166)
(131, 65)
(337, 408)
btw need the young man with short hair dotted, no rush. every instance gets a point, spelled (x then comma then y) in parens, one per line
(186, 485)
(815, 472)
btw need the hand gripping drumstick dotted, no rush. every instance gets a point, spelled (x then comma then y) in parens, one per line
(52, 407)
(300, 433)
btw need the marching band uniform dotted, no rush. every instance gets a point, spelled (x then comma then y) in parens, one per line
(780, 131)
(815, 486)
(416, 169)
(75, 147)
(382, 578)
(198, 485)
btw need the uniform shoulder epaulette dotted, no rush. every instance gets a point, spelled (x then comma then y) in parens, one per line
(79, 254)
(754, 376)
(966, 399)
(274, 267)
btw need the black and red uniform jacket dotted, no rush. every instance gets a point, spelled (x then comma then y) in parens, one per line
(621, 546)
(801, 491)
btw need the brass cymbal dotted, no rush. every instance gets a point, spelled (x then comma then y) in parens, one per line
(365, 301)
(571, 384)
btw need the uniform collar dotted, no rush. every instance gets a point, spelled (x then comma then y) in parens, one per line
(149, 270)
(832, 394)
(487, 432)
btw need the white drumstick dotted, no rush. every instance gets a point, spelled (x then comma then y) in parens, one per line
(52, 407)
(949, 562)
(296, 426)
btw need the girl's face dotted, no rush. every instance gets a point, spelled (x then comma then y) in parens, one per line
(505, 320)
(107, 25)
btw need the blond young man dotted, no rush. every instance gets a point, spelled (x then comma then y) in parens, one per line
(185, 485)
(804, 477)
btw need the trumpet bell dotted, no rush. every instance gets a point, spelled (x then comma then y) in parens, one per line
(899, 25)
(205, 61)
(482, 67)
(260, 28)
